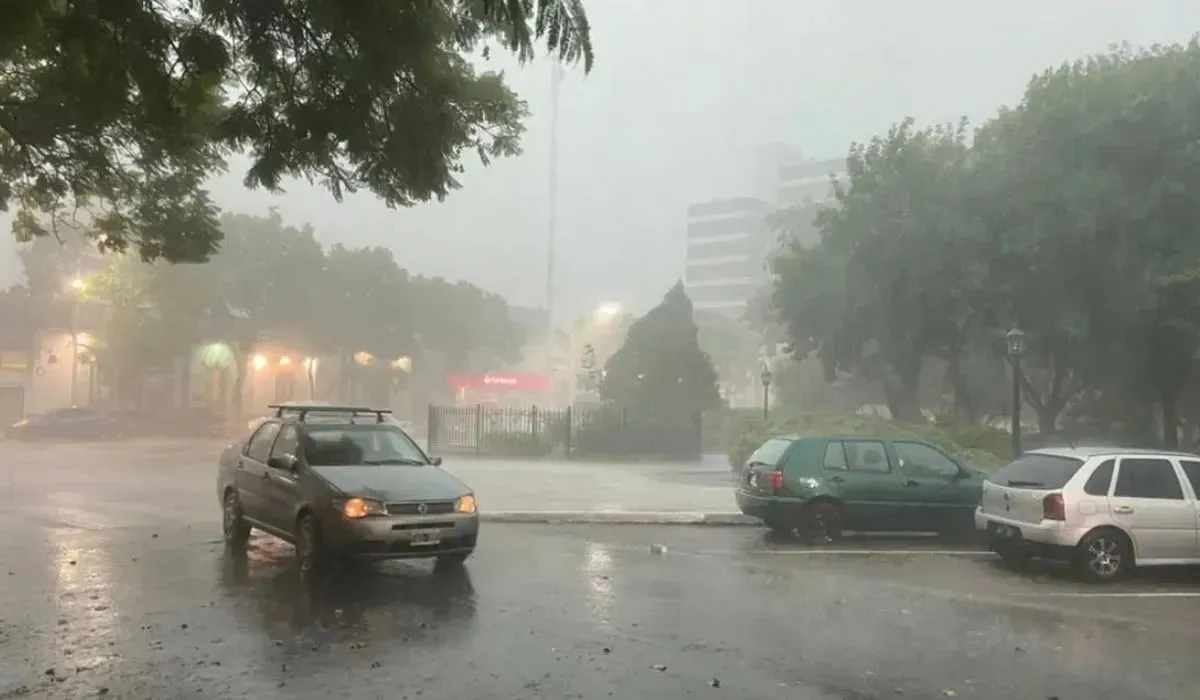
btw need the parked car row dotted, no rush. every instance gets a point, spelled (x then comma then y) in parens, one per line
(1104, 510)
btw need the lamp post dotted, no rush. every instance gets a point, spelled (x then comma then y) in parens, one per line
(766, 382)
(1016, 348)
(76, 290)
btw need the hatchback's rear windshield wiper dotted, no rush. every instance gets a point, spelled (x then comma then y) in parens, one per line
(394, 460)
(1025, 483)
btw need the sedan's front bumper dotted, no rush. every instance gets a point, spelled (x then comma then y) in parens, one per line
(403, 537)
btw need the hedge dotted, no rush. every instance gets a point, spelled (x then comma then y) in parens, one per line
(981, 446)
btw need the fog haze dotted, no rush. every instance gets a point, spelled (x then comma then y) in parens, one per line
(684, 95)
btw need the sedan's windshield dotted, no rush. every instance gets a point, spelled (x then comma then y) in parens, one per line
(353, 445)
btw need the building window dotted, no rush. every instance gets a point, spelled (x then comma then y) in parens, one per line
(724, 271)
(739, 225)
(734, 293)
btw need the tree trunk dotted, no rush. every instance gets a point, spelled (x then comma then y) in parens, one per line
(239, 383)
(902, 398)
(1048, 417)
(964, 407)
(1170, 418)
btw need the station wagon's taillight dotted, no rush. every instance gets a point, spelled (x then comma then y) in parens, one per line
(1054, 507)
(773, 480)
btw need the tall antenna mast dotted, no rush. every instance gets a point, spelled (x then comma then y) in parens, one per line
(556, 77)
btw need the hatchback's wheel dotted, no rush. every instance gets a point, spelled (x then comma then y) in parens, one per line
(451, 561)
(237, 530)
(820, 523)
(310, 551)
(1103, 556)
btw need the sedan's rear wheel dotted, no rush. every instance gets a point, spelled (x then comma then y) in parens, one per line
(237, 530)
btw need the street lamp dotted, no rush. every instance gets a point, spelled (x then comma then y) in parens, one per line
(766, 382)
(76, 287)
(1016, 348)
(608, 311)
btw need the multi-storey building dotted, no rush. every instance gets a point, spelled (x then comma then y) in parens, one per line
(727, 245)
(807, 185)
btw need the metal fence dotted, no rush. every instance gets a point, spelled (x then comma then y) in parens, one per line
(563, 432)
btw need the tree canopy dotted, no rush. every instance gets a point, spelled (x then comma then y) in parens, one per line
(660, 368)
(271, 282)
(125, 109)
(1071, 215)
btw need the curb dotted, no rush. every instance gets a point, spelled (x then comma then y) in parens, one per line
(593, 517)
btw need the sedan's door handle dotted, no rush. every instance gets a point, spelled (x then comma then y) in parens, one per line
(910, 482)
(837, 479)
(1123, 510)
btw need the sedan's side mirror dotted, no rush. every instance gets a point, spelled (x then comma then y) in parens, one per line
(284, 462)
(435, 461)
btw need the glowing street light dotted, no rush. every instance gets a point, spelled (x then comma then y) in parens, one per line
(259, 361)
(608, 310)
(77, 284)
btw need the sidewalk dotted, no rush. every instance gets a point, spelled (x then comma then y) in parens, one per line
(567, 491)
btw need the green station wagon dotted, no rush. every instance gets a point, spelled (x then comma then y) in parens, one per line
(819, 486)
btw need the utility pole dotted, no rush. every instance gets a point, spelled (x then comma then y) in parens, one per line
(556, 77)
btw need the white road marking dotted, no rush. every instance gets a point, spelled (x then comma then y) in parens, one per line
(1130, 594)
(873, 552)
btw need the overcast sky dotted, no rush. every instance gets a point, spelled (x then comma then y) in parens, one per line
(683, 95)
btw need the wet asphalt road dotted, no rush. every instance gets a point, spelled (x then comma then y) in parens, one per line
(152, 606)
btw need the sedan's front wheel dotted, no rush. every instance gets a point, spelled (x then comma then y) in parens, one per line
(237, 530)
(310, 550)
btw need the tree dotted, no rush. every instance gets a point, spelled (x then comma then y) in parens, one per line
(732, 347)
(1092, 219)
(892, 279)
(125, 109)
(51, 264)
(660, 369)
(264, 283)
(462, 328)
(154, 317)
(365, 306)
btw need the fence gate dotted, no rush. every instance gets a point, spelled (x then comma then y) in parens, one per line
(566, 432)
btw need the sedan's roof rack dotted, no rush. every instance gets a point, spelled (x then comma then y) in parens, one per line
(302, 410)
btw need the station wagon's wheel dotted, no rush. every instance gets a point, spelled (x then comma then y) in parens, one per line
(1103, 556)
(820, 523)
(310, 551)
(234, 525)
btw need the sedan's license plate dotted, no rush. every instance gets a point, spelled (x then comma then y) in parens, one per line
(425, 538)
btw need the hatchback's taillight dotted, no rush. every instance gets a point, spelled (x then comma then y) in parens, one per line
(774, 480)
(1053, 507)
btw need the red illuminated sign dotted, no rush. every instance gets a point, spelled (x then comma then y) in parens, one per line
(496, 381)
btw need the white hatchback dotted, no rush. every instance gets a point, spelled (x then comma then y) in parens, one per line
(1103, 509)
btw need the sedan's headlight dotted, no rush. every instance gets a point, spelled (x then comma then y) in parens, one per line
(355, 508)
(465, 504)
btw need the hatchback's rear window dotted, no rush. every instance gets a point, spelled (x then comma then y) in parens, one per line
(771, 453)
(1037, 471)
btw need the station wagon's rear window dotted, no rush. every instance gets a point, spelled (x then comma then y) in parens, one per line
(1037, 471)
